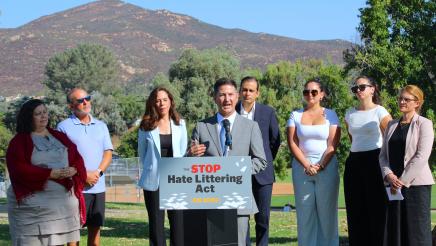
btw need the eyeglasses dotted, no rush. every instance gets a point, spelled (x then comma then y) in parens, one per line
(405, 99)
(313, 92)
(81, 100)
(361, 87)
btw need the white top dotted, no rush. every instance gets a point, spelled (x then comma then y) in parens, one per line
(312, 139)
(248, 115)
(364, 128)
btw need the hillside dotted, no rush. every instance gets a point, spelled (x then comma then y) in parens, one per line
(144, 41)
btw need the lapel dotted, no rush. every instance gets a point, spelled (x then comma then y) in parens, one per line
(175, 138)
(391, 130)
(256, 111)
(410, 133)
(213, 132)
(238, 107)
(156, 138)
(236, 128)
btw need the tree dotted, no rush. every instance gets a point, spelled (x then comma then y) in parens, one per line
(5, 137)
(129, 144)
(398, 48)
(131, 108)
(89, 66)
(10, 117)
(193, 76)
(106, 109)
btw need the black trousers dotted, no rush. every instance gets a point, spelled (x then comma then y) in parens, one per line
(409, 222)
(365, 199)
(156, 218)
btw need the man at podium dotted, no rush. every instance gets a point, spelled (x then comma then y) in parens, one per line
(229, 134)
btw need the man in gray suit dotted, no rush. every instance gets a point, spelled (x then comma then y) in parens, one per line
(246, 140)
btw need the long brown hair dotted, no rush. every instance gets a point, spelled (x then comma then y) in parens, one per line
(151, 116)
(376, 99)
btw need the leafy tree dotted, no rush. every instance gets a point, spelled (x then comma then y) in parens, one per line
(131, 108)
(129, 144)
(10, 117)
(5, 137)
(106, 109)
(193, 76)
(398, 48)
(89, 66)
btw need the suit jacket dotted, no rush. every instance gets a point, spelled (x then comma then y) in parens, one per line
(149, 152)
(419, 142)
(266, 118)
(246, 141)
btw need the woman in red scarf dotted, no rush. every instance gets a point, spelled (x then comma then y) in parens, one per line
(45, 202)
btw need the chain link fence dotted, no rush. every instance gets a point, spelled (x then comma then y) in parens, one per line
(121, 181)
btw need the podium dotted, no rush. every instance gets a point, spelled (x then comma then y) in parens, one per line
(210, 227)
(209, 190)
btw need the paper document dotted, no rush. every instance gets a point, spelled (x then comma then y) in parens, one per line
(397, 196)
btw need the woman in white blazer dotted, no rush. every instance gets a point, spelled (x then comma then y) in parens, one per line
(162, 133)
(404, 163)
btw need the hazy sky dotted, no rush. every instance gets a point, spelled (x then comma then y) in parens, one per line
(303, 19)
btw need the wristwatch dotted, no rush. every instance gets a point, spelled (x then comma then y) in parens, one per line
(100, 172)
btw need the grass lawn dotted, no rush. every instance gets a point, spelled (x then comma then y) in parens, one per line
(126, 224)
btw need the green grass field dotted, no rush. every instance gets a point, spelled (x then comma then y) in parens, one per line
(127, 223)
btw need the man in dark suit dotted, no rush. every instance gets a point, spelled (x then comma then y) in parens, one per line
(246, 140)
(262, 182)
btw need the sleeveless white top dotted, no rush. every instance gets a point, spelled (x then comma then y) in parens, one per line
(364, 128)
(313, 138)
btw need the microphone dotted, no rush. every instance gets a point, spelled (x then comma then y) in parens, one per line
(226, 125)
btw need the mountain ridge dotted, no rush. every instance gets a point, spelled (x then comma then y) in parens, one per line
(143, 41)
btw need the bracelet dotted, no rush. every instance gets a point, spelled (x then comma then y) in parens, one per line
(321, 167)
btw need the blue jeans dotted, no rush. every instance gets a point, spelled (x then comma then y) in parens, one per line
(316, 200)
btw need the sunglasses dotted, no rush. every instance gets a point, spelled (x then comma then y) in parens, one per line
(81, 100)
(357, 88)
(313, 92)
(405, 99)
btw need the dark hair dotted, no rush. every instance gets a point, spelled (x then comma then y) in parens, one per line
(317, 81)
(321, 86)
(151, 116)
(223, 81)
(25, 116)
(249, 78)
(376, 96)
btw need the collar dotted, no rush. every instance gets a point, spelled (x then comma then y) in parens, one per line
(76, 120)
(251, 111)
(231, 118)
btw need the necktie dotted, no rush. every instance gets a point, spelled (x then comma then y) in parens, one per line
(223, 139)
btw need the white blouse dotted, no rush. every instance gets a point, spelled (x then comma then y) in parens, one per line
(313, 138)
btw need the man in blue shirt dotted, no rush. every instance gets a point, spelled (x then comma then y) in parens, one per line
(94, 144)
